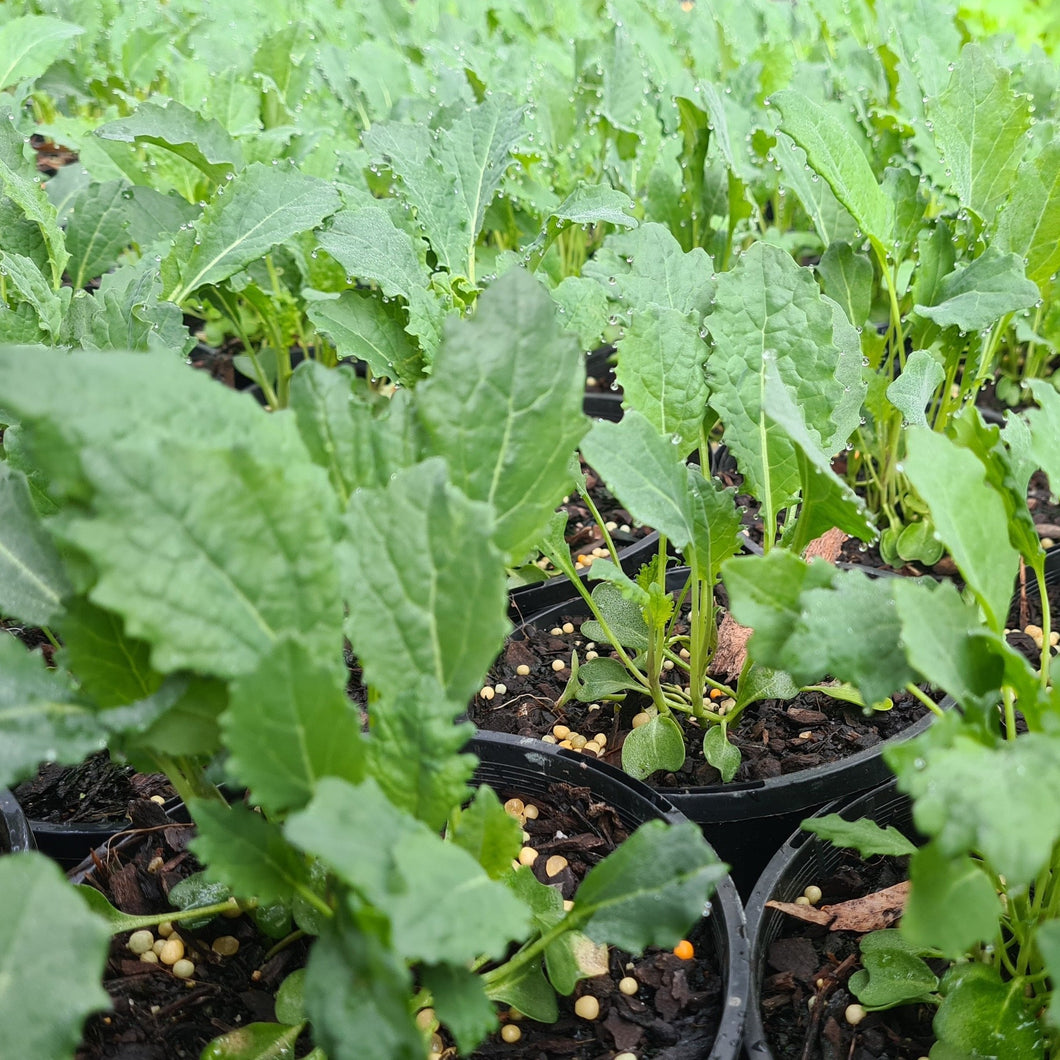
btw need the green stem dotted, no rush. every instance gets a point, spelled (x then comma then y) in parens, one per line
(924, 698)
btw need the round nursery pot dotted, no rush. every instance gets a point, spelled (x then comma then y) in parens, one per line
(15, 835)
(527, 600)
(804, 859)
(746, 821)
(534, 769)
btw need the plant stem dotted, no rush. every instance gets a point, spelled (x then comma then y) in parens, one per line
(924, 698)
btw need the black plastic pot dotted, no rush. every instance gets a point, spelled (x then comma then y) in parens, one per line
(747, 821)
(802, 860)
(527, 600)
(533, 767)
(15, 836)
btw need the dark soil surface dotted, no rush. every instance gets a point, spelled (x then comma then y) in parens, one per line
(808, 963)
(676, 1010)
(774, 736)
(157, 1016)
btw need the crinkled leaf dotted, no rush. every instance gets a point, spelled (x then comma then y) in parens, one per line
(983, 1017)
(913, 389)
(249, 554)
(415, 553)
(246, 852)
(953, 483)
(863, 835)
(413, 753)
(489, 833)
(422, 883)
(893, 973)
(974, 296)
(357, 992)
(1012, 824)
(504, 407)
(203, 142)
(660, 370)
(980, 121)
(24, 278)
(623, 616)
(262, 206)
(460, 1001)
(371, 248)
(39, 718)
(289, 723)
(584, 308)
(652, 889)
(657, 744)
(33, 579)
(952, 903)
(29, 44)
(645, 470)
(47, 991)
(836, 156)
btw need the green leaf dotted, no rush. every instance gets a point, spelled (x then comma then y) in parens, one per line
(460, 1003)
(201, 141)
(414, 750)
(651, 889)
(357, 993)
(529, 992)
(911, 392)
(722, 755)
(590, 204)
(487, 832)
(601, 677)
(983, 1017)
(660, 370)
(424, 885)
(1044, 423)
(262, 206)
(414, 554)
(252, 544)
(39, 719)
(33, 579)
(760, 682)
(834, 154)
(624, 616)
(974, 296)
(894, 972)
(255, 1041)
(246, 852)
(1029, 224)
(290, 998)
(98, 230)
(657, 744)
(112, 668)
(863, 835)
(1012, 824)
(26, 279)
(289, 723)
(645, 471)
(952, 903)
(1047, 939)
(980, 123)
(371, 248)
(29, 44)
(847, 278)
(969, 515)
(37, 901)
(449, 175)
(504, 407)
(716, 524)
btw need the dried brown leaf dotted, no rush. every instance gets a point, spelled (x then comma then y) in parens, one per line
(731, 650)
(828, 546)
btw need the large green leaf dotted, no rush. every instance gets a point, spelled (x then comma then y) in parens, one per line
(249, 553)
(980, 121)
(29, 44)
(414, 555)
(26, 280)
(504, 407)
(837, 157)
(97, 230)
(660, 370)
(645, 471)
(262, 206)
(441, 904)
(33, 580)
(39, 718)
(846, 277)
(289, 723)
(1029, 224)
(651, 889)
(47, 991)
(969, 516)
